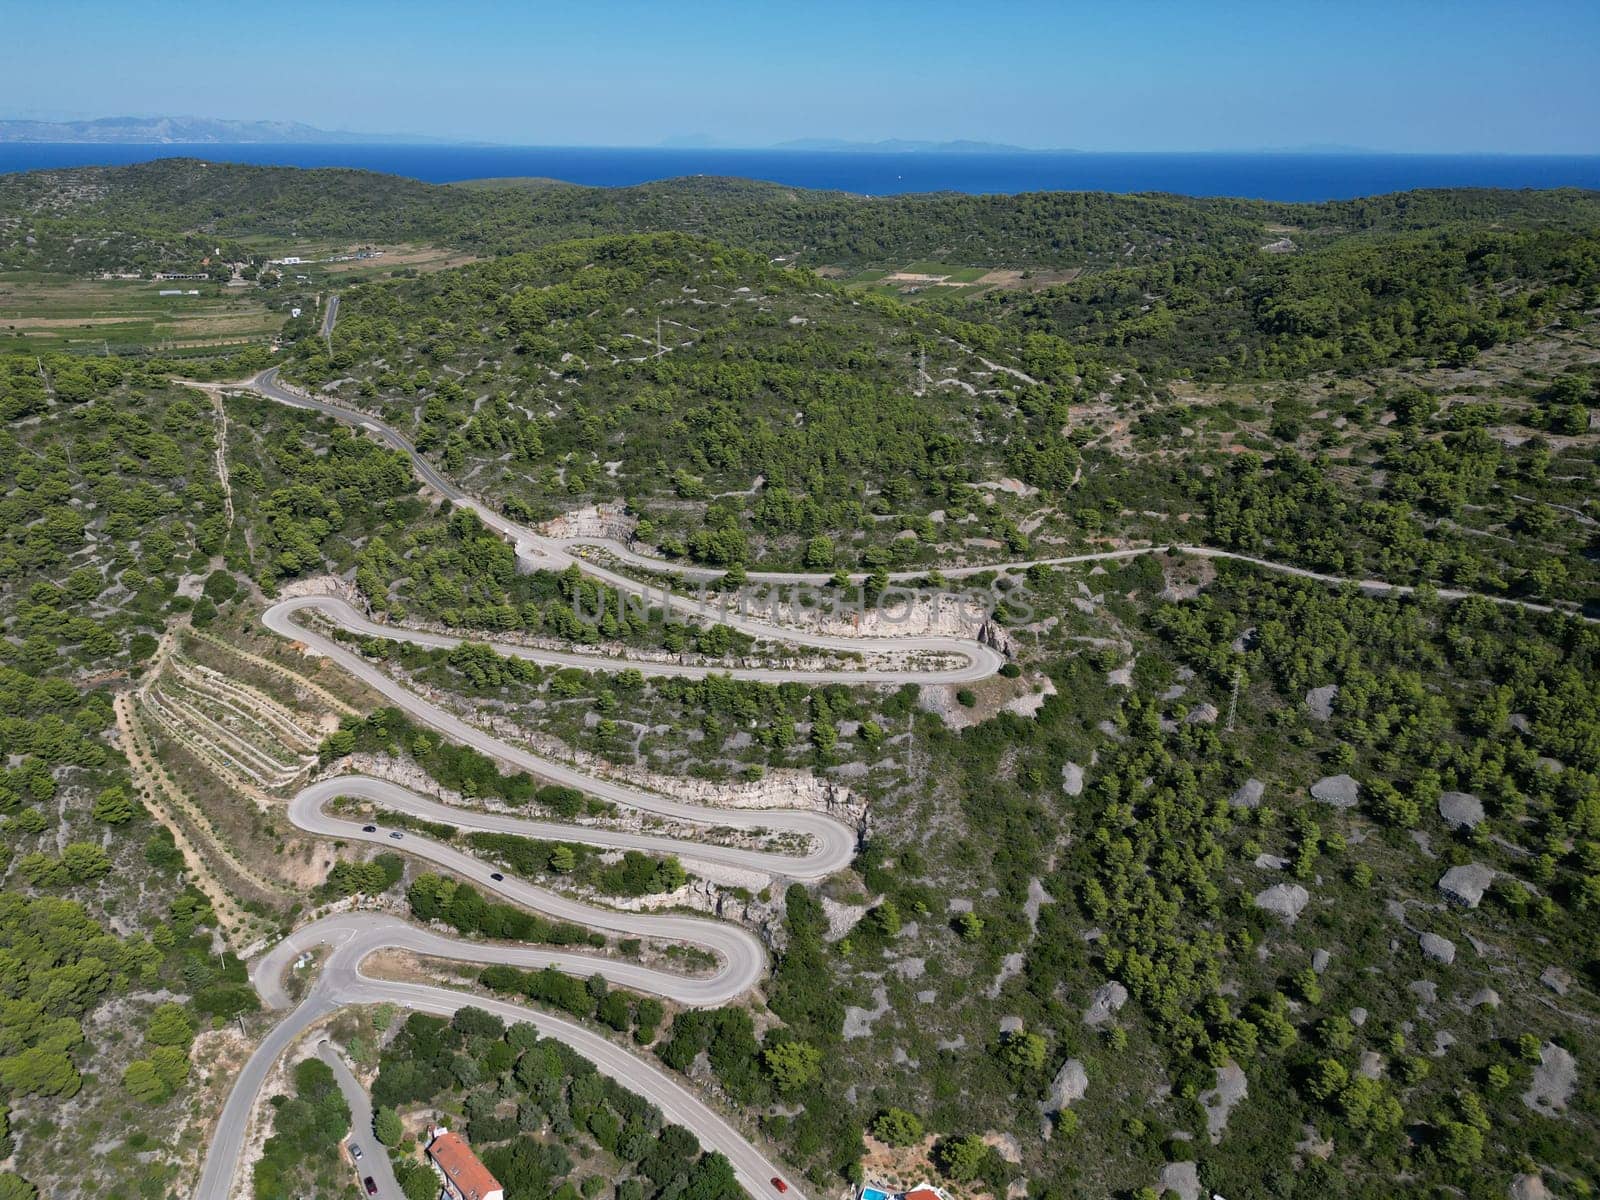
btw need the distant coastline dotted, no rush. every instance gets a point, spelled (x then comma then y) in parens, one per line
(191, 131)
(1283, 176)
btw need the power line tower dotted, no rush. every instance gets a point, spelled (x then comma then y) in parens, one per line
(1233, 701)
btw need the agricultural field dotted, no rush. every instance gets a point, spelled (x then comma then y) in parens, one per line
(41, 313)
(331, 262)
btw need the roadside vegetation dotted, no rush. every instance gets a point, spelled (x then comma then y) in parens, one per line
(542, 1119)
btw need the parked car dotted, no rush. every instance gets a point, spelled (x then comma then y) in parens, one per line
(355, 1152)
(779, 1184)
(397, 835)
(371, 1185)
(369, 829)
(496, 876)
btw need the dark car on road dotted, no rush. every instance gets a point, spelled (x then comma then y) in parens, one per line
(371, 1185)
(369, 829)
(397, 835)
(496, 876)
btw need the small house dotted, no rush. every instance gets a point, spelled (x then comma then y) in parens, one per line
(464, 1177)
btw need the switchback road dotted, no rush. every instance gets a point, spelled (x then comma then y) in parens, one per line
(833, 843)
(981, 661)
(308, 811)
(351, 938)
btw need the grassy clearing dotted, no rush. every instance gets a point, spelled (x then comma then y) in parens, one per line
(930, 280)
(925, 280)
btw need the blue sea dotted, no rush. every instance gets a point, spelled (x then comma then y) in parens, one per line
(1265, 176)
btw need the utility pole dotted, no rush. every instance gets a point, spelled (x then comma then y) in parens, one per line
(1233, 702)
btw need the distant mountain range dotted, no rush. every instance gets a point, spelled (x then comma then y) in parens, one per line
(211, 130)
(191, 130)
(204, 130)
(904, 146)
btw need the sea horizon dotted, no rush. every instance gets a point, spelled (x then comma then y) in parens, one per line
(1289, 175)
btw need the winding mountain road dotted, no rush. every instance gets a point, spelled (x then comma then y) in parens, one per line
(351, 938)
(981, 661)
(340, 983)
(833, 843)
(543, 552)
(308, 811)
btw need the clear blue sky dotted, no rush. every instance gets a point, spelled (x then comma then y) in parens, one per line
(1408, 75)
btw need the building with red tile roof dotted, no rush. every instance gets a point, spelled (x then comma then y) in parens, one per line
(465, 1178)
(923, 1191)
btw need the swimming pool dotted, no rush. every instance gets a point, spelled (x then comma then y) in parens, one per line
(870, 1193)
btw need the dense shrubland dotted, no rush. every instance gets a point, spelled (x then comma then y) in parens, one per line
(778, 409)
(1349, 306)
(1433, 698)
(109, 500)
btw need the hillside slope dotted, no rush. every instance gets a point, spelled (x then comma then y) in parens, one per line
(772, 406)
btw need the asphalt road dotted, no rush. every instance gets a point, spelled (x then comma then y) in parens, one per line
(227, 1140)
(981, 661)
(306, 810)
(553, 553)
(547, 553)
(374, 1161)
(352, 937)
(833, 842)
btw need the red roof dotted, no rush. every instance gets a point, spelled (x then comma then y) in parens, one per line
(461, 1167)
(923, 1194)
